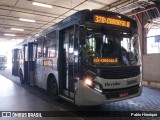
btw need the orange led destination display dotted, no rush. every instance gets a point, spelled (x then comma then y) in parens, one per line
(111, 21)
(47, 62)
(105, 60)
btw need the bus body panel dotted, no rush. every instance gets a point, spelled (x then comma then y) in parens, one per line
(39, 72)
(118, 83)
(48, 69)
(89, 96)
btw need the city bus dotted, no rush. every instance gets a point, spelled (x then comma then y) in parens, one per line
(90, 58)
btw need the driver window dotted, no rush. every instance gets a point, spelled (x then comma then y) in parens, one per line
(125, 43)
(92, 43)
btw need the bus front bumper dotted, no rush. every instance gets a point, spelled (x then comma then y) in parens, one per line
(90, 97)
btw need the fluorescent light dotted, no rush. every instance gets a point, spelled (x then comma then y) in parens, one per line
(9, 34)
(26, 20)
(16, 39)
(17, 29)
(41, 5)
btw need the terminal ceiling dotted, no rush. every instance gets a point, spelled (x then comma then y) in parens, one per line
(11, 11)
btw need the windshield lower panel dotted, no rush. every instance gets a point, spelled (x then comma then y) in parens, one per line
(110, 48)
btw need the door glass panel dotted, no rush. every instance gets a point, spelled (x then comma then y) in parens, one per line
(71, 59)
(65, 48)
(70, 48)
(26, 53)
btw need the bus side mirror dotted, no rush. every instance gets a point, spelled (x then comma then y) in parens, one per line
(82, 34)
(75, 79)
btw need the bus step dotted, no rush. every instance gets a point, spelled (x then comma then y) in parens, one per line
(66, 98)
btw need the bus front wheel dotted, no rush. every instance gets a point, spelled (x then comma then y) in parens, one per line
(53, 88)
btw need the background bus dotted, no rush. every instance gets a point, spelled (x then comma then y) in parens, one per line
(89, 58)
(3, 62)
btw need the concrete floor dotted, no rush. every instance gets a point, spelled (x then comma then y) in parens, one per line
(17, 97)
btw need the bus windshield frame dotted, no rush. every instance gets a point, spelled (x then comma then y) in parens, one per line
(108, 47)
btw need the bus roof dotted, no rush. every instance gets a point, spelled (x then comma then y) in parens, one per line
(78, 18)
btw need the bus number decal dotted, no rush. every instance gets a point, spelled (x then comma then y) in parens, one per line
(131, 82)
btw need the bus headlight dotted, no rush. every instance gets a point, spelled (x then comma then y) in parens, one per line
(97, 87)
(88, 78)
(88, 81)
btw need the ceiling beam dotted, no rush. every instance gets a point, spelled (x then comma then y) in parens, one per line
(16, 19)
(9, 25)
(117, 3)
(29, 11)
(62, 14)
(97, 2)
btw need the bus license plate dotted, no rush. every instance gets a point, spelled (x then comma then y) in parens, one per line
(123, 94)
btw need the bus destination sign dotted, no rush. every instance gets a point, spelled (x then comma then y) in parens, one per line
(111, 21)
(105, 60)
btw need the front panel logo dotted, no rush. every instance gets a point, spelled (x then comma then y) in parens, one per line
(112, 84)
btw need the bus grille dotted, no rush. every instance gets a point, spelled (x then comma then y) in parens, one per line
(119, 72)
(2, 60)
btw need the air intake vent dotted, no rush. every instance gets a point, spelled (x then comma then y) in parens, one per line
(120, 72)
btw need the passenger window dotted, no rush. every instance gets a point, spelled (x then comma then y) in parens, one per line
(49, 49)
(20, 54)
(39, 47)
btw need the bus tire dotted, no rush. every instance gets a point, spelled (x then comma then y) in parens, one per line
(53, 89)
(21, 78)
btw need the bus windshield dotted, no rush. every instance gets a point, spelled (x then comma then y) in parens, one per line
(110, 47)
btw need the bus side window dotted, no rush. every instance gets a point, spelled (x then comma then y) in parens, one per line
(21, 54)
(49, 49)
(34, 51)
(44, 47)
(39, 47)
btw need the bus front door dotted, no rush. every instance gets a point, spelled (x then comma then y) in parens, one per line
(69, 66)
(15, 62)
(25, 64)
(32, 47)
(29, 62)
